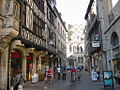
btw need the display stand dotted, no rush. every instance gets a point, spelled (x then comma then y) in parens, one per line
(108, 79)
(35, 78)
(94, 76)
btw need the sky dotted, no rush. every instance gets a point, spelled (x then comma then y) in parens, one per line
(73, 11)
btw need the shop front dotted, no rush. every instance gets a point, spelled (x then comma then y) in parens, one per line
(116, 63)
(29, 66)
(16, 65)
(44, 65)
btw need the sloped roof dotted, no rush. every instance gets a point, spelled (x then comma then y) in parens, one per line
(71, 58)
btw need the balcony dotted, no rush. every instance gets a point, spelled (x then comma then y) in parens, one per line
(51, 49)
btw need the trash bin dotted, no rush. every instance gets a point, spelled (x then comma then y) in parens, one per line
(35, 78)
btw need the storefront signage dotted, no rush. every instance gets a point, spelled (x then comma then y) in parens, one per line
(27, 35)
(95, 44)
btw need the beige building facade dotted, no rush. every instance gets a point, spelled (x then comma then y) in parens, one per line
(75, 45)
(28, 39)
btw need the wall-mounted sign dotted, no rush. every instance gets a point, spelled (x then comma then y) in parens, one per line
(95, 44)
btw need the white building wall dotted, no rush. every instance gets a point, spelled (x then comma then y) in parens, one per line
(77, 39)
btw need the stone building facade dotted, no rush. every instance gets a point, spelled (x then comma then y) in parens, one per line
(111, 30)
(108, 16)
(93, 44)
(75, 45)
(28, 39)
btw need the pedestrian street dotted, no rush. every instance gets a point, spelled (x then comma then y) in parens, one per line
(85, 83)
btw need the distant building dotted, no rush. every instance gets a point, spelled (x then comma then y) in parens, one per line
(75, 45)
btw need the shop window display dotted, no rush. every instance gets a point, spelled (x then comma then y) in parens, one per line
(29, 66)
(16, 62)
(16, 65)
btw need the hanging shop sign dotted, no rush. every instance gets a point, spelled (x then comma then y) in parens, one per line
(95, 44)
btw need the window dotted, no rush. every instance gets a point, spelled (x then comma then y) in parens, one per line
(38, 25)
(114, 39)
(74, 48)
(80, 59)
(70, 48)
(24, 15)
(111, 17)
(29, 18)
(16, 61)
(58, 43)
(16, 10)
(81, 49)
(77, 48)
(40, 4)
(52, 37)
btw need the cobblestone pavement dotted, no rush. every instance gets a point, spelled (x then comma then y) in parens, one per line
(84, 84)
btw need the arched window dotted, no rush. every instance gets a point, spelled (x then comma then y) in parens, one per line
(70, 48)
(77, 48)
(114, 39)
(52, 38)
(81, 49)
(74, 48)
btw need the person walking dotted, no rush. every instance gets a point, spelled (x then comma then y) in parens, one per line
(64, 74)
(50, 74)
(18, 79)
(98, 73)
(59, 72)
(73, 74)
